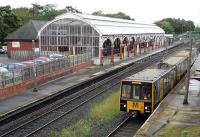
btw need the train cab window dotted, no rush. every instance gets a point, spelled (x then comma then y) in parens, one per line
(136, 91)
(126, 91)
(146, 90)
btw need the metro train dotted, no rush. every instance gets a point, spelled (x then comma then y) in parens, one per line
(142, 92)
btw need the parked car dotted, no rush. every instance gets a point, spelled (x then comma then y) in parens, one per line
(46, 59)
(3, 51)
(2, 65)
(14, 66)
(27, 63)
(5, 72)
(56, 56)
(38, 61)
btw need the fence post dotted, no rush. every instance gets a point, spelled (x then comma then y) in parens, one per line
(2, 80)
(13, 76)
(22, 73)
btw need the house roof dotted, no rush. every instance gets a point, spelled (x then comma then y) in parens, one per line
(28, 31)
(111, 26)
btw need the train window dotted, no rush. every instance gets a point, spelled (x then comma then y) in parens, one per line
(171, 75)
(147, 92)
(166, 84)
(126, 91)
(136, 91)
(157, 95)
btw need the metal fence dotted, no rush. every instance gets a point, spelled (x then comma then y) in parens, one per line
(19, 75)
(23, 55)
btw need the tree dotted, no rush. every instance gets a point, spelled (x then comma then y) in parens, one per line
(197, 29)
(37, 12)
(166, 26)
(120, 15)
(23, 13)
(8, 22)
(46, 12)
(179, 25)
(49, 12)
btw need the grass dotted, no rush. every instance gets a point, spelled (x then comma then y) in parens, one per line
(103, 111)
(181, 131)
(107, 109)
(79, 129)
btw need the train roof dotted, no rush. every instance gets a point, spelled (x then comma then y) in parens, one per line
(182, 53)
(147, 75)
(174, 60)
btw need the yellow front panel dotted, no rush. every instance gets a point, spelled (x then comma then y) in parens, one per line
(132, 105)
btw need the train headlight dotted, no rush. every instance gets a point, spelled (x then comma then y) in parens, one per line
(145, 108)
(124, 106)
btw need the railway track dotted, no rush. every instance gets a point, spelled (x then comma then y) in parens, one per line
(128, 127)
(36, 121)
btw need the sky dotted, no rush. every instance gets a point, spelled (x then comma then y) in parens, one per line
(141, 10)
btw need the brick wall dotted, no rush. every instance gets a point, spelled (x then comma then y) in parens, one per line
(24, 46)
(27, 84)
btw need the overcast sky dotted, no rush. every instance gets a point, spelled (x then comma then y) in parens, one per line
(141, 10)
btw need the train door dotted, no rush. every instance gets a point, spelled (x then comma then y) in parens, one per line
(156, 92)
(171, 79)
(161, 90)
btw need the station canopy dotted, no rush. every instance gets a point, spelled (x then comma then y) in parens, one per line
(111, 26)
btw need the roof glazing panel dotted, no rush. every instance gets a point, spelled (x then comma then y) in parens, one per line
(112, 26)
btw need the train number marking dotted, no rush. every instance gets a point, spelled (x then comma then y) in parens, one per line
(135, 105)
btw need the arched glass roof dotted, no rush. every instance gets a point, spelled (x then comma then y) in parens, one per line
(113, 26)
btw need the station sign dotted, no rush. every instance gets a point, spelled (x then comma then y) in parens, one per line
(15, 44)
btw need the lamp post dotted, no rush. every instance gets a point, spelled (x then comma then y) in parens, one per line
(185, 101)
(34, 67)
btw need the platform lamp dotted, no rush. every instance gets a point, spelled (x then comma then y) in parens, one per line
(185, 101)
(34, 67)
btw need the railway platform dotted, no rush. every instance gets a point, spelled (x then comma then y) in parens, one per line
(25, 98)
(172, 118)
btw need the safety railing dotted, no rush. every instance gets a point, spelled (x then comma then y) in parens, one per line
(19, 75)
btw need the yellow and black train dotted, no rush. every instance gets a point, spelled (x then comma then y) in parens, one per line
(143, 91)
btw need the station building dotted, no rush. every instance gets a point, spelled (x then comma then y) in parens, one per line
(19, 43)
(73, 34)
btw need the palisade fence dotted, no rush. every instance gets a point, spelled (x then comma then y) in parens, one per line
(23, 55)
(19, 75)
